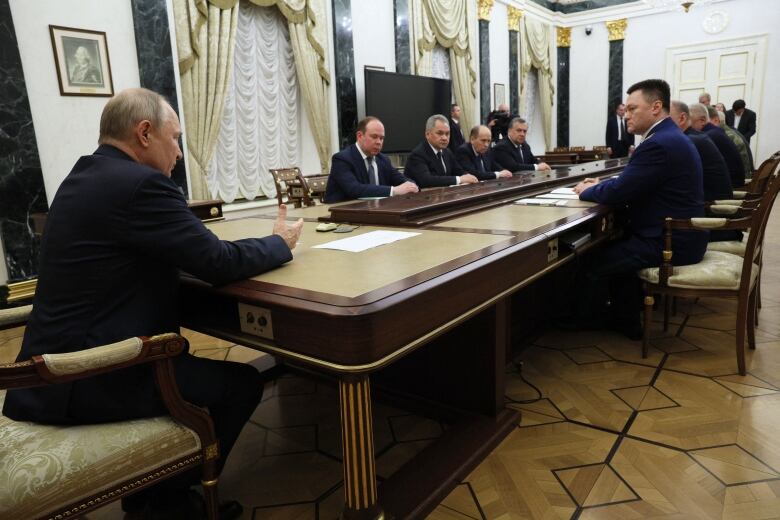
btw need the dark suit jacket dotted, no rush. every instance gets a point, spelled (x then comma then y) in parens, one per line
(717, 182)
(349, 177)
(456, 135)
(116, 235)
(662, 179)
(747, 123)
(424, 168)
(619, 146)
(730, 154)
(469, 161)
(505, 153)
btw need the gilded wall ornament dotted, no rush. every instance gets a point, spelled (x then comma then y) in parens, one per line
(514, 15)
(617, 29)
(483, 9)
(563, 36)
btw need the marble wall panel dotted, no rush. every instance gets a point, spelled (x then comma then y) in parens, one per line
(484, 69)
(155, 61)
(344, 62)
(616, 94)
(403, 63)
(563, 96)
(514, 67)
(21, 180)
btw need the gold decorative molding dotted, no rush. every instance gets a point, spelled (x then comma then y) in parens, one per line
(514, 15)
(563, 36)
(18, 291)
(617, 29)
(483, 9)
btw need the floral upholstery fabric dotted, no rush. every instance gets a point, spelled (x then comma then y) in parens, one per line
(729, 246)
(95, 357)
(45, 467)
(717, 270)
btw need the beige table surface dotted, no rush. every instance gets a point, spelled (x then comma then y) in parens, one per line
(353, 274)
(511, 217)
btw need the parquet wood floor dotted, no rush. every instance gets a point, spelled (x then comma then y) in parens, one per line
(678, 435)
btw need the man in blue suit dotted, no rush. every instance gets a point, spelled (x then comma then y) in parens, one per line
(513, 153)
(475, 156)
(662, 179)
(117, 233)
(360, 170)
(700, 120)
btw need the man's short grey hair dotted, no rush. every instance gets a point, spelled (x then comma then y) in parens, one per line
(681, 107)
(515, 121)
(722, 117)
(697, 110)
(431, 122)
(127, 109)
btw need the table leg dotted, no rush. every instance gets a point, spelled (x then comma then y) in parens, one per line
(357, 439)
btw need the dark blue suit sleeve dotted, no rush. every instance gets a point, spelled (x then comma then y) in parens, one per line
(343, 173)
(162, 225)
(418, 170)
(640, 176)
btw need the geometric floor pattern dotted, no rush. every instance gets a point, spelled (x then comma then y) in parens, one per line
(678, 435)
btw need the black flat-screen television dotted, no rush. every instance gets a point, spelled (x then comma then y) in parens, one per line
(403, 102)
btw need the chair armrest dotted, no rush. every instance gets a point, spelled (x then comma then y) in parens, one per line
(62, 368)
(740, 194)
(14, 317)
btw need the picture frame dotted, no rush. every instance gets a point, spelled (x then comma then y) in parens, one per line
(81, 60)
(499, 94)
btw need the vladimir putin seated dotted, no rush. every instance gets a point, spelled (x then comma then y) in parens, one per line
(360, 170)
(513, 153)
(431, 163)
(475, 156)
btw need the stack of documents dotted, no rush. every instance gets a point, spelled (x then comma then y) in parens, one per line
(366, 241)
(557, 197)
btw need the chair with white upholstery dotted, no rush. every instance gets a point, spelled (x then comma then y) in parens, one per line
(719, 274)
(59, 472)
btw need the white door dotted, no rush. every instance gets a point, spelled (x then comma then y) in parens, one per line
(727, 69)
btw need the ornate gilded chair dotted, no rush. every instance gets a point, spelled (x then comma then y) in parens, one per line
(59, 472)
(287, 182)
(313, 188)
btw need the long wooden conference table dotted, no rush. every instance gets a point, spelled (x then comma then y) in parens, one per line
(425, 320)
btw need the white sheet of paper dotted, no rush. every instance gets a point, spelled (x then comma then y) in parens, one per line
(563, 191)
(541, 202)
(366, 241)
(560, 196)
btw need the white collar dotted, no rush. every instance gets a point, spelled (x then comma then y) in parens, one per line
(360, 151)
(644, 136)
(435, 151)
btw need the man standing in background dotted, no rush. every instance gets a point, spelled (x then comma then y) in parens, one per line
(617, 137)
(741, 118)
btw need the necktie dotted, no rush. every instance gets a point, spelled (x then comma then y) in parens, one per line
(520, 153)
(372, 175)
(481, 164)
(621, 129)
(441, 158)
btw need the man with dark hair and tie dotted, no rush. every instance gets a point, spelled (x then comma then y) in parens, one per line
(431, 163)
(700, 120)
(360, 170)
(513, 153)
(456, 132)
(617, 137)
(741, 118)
(475, 156)
(662, 179)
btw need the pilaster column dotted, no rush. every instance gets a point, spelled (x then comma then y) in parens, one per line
(563, 39)
(514, 15)
(617, 33)
(483, 15)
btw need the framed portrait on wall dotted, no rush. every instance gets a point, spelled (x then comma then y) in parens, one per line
(499, 94)
(81, 59)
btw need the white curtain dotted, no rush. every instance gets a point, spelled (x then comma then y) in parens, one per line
(440, 64)
(536, 54)
(446, 23)
(259, 124)
(528, 110)
(205, 37)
